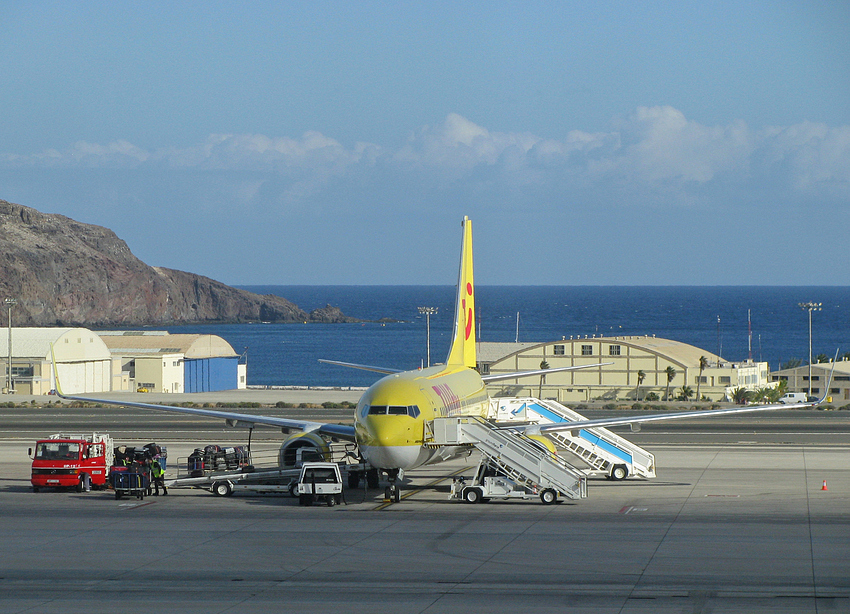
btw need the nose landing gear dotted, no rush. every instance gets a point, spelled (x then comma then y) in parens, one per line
(392, 492)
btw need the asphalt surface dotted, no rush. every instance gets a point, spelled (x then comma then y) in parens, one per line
(737, 521)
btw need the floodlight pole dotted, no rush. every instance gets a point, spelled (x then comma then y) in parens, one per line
(427, 311)
(10, 302)
(810, 307)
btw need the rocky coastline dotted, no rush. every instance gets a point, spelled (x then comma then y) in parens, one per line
(65, 273)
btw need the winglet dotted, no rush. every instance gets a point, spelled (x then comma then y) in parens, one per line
(56, 373)
(829, 382)
(462, 351)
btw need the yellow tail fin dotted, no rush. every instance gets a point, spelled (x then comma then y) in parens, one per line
(462, 351)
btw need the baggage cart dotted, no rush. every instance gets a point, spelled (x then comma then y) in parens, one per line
(130, 483)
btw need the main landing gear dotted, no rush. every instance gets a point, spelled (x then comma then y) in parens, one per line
(391, 493)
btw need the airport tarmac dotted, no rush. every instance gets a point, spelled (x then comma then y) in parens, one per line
(728, 526)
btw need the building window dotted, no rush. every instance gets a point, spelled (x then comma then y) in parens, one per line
(815, 390)
(587, 350)
(613, 350)
(701, 379)
(558, 350)
(725, 379)
(842, 378)
(834, 390)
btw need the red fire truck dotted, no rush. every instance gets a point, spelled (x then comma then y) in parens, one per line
(76, 461)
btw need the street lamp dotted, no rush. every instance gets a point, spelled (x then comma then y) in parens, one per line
(810, 307)
(10, 302)
(428, 311)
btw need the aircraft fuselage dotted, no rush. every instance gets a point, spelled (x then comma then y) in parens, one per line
(390, 418)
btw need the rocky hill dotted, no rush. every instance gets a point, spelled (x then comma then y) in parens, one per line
(65, 273)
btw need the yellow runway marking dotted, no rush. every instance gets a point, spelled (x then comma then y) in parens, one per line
(386, 503)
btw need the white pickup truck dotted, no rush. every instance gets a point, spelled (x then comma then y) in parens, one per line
(320, 482)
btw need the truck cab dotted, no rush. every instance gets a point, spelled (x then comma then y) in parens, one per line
(75, 461)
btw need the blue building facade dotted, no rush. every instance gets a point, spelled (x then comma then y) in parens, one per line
(210, 374)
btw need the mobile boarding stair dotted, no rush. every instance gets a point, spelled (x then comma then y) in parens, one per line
(604, 452)
(512, 454)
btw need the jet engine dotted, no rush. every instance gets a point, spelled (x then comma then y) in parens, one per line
(544, 442)
(302, 447)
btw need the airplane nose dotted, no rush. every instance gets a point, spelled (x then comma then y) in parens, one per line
(386, 431)
(388, 443)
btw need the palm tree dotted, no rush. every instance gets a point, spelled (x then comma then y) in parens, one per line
(543, 365)
(792, 363)
(703, 365)
(671, 373)
(741, 396)
(686, 393)
(762, 395)
(640, 377)
(777, 391)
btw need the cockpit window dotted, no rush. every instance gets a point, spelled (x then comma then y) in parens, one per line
(394, 410)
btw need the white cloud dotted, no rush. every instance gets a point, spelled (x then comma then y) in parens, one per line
(655, 148)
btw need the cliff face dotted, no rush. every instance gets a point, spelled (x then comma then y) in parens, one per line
(63, 272)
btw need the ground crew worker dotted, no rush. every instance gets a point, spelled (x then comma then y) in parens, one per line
(158, 478)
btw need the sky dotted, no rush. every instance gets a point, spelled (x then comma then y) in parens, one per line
(603, 143)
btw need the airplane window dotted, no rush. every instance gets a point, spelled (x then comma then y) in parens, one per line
(413, 411)
(397, 410)
(377, 410)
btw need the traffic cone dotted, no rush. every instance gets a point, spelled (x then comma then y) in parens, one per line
(824, 486)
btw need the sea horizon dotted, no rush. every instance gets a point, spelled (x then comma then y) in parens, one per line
(717, 319)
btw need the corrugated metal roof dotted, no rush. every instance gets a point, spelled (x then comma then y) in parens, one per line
(34, 343)
(675, 350)
(492, 351)
(191, 346)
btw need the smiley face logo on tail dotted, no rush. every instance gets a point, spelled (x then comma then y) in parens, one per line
(468, 310)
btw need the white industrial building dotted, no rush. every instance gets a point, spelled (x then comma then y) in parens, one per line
(82, 359)
(156, 361)
(626, 358)
(798, 380)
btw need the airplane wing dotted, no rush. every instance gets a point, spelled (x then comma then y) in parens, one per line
(498, 377)
(638, 420)
(232, 419)
(354, 365)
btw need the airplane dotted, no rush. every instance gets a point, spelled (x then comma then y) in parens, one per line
(391, 416)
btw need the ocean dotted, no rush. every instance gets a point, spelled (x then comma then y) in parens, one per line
(711, 318)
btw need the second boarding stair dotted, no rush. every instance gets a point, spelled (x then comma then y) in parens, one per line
(601, 449)
(511, 453)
